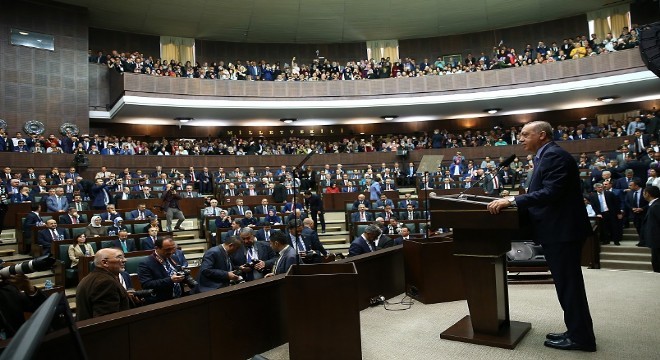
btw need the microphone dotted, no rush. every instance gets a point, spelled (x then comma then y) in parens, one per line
(503, 164)
(506, 162)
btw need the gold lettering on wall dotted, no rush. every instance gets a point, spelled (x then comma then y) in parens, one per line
(297, 131)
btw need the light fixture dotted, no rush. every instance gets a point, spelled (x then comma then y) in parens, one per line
(389, 117)
(583, 118)
(607, 99)
(492, 111)
(184, 119)
(287, 121)
(23, 33)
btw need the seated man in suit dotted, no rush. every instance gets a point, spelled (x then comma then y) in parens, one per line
(254, 258)
(299, 215)
(110, 214)
(125, 194)
(410, 214)
(149, 242)
(405, 235)
(124, 243)
(362, 215)
(22, 196)
(216, 270)
(79, 204)
(383, 201)
(387, 213)
(392, 227)
(239, 209)
(407, 200)
(52, 233)
(365, 243)
(279, 242)
(158, 271)
(72, 217)
(213, 209)
(265, 232)
(59, 202)
(142, 213)
(145, 193)
(311, 240)
(389, 185)
(263, 208)
(233, 191)
(189, 192)
(234, 231)
(288, 207)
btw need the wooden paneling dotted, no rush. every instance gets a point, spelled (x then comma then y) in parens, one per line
(49, 86)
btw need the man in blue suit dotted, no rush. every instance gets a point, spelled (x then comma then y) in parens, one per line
(365, 243)
(59, 202)
(279, 241)
(216, 270)
(100, 194)
(554, 197)
(52, 233)
(254, 258)
(158, 271)
(142, 213)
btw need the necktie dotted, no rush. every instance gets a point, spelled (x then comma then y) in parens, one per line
(240, 210)
(265, 210)
(300, 245)
(74, 220)
(267, 235)
(249, 254)
(123, 245)
(140, 215)
(176, 289)
(363, 218)
(495, 183)
(371, 247)
(54, 234)
(79, 206)
(635, 199)
(410, 215)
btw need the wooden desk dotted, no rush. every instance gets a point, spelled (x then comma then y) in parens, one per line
(189, 206)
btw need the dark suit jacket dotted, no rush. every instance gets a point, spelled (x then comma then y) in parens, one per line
(147, 214)
(259, 209)
(359, 246)
(630, 204)
(385, 242)
(66, 219)
(146, 243)
(287, 258)
(130, 244)
(261, 234)
(31, 219)
(612, 201)
(153, 275)
(234, 210)
(45, 238)
(311, 239)
(264, 252)
(555, 197)
(97, 195)
(19, 198)
(355, 217)
(213, 273)
(651, 226)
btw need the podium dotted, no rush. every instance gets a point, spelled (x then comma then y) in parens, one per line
(432, 272)
(322, 308)
(481, 241)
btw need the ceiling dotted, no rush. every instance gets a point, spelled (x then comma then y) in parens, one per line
(325, 21)
(633, 87)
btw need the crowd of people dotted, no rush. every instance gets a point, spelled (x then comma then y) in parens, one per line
(501, 57)
(647, 124)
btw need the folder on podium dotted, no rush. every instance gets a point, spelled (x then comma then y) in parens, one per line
(481, 241)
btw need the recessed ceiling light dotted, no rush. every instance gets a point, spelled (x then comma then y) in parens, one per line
(361, 133)
(492, 111)
(287, 121)
(607, 99)
(583, 118)
(23, 33)
(389, 117)
(184, 119)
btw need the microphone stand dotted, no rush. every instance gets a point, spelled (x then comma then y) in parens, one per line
(294, 176)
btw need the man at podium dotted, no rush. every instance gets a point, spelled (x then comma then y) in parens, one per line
(556, 212)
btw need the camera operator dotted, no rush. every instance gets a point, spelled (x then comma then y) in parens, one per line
(217, 270)
(279, 241)
(160, 272)
(171, 208)
(100, 292)
(17, 296)
(254, 258)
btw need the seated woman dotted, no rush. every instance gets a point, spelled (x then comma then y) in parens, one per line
(248, 220)
(79, 249)
(272, 218)
(117, 227)
(332, 189)
(95, 229)
(223, 221)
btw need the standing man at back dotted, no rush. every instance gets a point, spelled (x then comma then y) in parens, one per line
(555, 208)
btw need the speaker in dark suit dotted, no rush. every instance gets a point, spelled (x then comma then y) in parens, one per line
(650, 226)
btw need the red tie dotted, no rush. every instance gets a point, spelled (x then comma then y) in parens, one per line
(74, 220)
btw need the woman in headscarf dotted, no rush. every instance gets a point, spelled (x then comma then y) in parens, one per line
(117, 227)
(95, 229)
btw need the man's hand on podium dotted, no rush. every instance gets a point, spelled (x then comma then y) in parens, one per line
(496, 205)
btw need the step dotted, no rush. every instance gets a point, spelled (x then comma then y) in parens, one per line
(641, 257)
(630, 237)
(337, 247)
(333, 233)
(337, 241)
(17, 258)
(626, 265)
(334, 227)
(194, 241)
(180, 237)
(625, 247)
(41, 276)
(193, 249)
(7, 235)
(7, 252)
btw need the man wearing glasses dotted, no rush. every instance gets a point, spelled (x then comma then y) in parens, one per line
(100, 292)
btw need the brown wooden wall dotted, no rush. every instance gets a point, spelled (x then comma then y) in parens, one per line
(475, 43)
(211, 51)
(41, 162)
(49, 86)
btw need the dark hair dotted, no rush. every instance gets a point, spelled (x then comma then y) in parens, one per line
(294, 223)
(280, 237)
(232, 240)
(159, 241)
(653, 191)
(637, 181)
